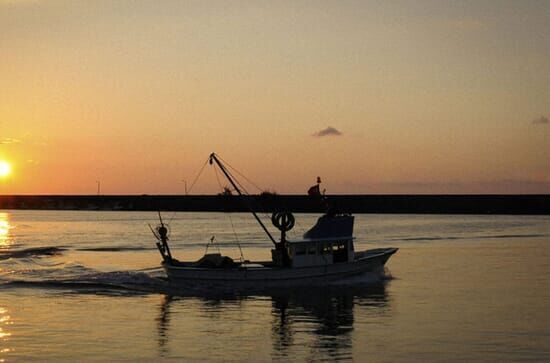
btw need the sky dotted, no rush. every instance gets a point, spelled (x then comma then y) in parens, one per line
(375, 97)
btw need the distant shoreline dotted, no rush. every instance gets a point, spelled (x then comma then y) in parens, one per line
(416, 204)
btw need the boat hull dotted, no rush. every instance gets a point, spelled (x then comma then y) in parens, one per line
(368, 262)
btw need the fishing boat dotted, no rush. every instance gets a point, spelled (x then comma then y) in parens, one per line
(324, 255)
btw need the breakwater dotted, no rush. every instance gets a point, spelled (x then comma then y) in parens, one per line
(440, 204)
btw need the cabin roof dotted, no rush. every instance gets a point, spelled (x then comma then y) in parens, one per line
(320, 240)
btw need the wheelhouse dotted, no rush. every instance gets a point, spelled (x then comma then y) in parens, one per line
(322, 251)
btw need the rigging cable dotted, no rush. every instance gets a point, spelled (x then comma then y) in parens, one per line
(236, 237)
(241, 174)
(230, 219)
(192, 185)
(254, 201)
(198, 175)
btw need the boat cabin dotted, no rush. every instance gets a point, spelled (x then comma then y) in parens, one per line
(329, 241)
(319, 252)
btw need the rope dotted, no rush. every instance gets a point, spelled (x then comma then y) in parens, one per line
(230, 219)
(257, 203)
(241, 174)
(197, 177)
(218, 179)
(189, 190)
(236, 237)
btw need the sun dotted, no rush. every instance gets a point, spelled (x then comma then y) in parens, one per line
(5, 169)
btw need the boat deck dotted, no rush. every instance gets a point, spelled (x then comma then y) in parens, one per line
(265, 265)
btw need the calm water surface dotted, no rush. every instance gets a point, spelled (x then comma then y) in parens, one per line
(85, 286)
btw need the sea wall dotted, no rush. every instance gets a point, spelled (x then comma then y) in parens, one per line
(436, 204)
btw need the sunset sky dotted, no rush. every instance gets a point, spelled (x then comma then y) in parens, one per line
(373, 96)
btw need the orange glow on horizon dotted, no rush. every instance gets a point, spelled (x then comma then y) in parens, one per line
(376, 98)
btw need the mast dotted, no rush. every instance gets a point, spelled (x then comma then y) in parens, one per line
(214, 157)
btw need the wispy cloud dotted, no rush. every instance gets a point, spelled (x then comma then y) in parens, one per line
(19, 2)
(329, 131)
(466, 24)
(541, 120)
(9, 140)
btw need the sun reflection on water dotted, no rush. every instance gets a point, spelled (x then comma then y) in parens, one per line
(4, 335)
(4, 230)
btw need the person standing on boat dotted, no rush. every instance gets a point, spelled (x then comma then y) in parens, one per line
(315, 190)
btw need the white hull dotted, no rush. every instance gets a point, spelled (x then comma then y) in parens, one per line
(259, 275)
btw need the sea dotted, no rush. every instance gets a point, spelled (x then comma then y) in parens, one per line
(86, 286)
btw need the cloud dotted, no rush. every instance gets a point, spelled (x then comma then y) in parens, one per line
(541, 120)
(9, 140)
(19, 2)
(329, 131)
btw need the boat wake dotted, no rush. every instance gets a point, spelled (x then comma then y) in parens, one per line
(87, 280)
(31, 252)
(74, 278)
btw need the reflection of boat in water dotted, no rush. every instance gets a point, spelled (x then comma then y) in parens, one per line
(319, 323)
(325, 254)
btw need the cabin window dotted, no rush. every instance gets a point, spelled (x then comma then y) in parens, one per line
(340, 246)
(300, 250)
(327, 249)
(340, 253)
